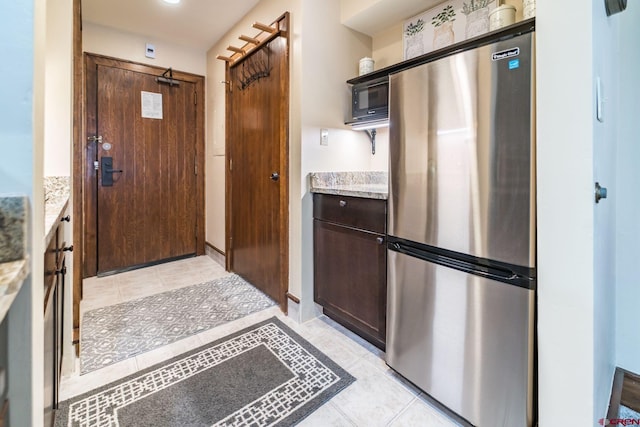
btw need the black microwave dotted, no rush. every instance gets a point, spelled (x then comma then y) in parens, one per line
(370, 100)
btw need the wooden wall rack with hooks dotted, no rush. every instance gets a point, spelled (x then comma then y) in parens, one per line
(252, 44)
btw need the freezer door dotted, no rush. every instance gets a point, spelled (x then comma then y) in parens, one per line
(462, 170)
(465, 340)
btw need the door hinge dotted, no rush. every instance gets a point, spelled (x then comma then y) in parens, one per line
(230, 164)
(196, 169)
(195, 98)
(230, 243)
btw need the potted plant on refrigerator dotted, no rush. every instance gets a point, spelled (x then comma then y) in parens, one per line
(414, 45)
(477, 12)
(443, 27)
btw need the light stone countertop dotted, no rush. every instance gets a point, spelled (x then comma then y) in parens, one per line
(12, 274)
(56, 198)
(370, 185)
(13, 264)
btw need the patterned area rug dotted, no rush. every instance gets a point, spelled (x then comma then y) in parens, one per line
(264, 375)
(628, 414)
(121, 331)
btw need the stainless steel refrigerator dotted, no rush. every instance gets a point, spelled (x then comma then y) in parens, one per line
(462, 231)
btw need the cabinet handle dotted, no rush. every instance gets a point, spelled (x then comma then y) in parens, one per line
(343, 203)
(380, 240)
(68, 249)
(66, 218)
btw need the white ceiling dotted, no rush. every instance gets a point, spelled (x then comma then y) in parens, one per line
(201, 23)
(196, 23)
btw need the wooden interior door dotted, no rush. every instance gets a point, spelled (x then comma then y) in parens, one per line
(149, 212)
(257, 191)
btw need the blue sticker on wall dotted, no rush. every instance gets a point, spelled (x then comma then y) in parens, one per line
(514, 63)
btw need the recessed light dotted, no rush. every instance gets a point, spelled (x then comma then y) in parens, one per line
(172, 1)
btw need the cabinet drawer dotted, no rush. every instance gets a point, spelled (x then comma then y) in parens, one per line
(366, 214)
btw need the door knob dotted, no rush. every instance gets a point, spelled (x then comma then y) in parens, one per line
(275, 176)
(106, 164)
(601, 192)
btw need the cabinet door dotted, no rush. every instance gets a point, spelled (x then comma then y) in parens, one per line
(350, 279)
(50, 266)
(49, 357)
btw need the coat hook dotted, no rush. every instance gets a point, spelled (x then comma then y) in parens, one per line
(263, 27)
(248, 39)
(236, 49)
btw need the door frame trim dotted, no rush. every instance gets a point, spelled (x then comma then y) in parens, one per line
(282, 23)
(76, 174)
(85, 152)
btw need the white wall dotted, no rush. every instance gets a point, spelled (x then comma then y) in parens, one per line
(605, 39)
(627, 62)
(58, 89)
(22, 43)
(387, 46)
(16, 133)
(123, 45)
(348, 150)
(330, 55)
(576, 250)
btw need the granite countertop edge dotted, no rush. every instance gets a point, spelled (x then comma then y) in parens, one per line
(52, 219)
(369, 184)
(12, 275)
(56, 201)
(353, 192)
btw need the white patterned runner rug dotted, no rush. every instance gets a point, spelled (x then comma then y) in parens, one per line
(118, 332)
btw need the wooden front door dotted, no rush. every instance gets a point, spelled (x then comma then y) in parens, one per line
(147, 190)
(257, 143)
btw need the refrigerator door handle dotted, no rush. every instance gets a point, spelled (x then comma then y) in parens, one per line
(503, 275)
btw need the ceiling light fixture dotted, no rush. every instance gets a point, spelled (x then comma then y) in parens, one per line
(172, 1)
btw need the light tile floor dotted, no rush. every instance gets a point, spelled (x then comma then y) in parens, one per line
(379, 397)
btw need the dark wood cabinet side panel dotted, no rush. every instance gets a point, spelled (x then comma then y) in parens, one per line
(350, 276)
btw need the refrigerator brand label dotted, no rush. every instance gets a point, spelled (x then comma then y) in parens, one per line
(509, 53)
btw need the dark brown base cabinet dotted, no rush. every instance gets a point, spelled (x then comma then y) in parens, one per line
(350, 263)
(54, 277)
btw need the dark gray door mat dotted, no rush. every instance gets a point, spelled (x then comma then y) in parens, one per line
(263, 375)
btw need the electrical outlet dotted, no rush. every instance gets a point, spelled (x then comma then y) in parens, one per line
(324, 136)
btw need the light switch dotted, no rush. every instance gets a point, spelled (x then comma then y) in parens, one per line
(324, 136)
(150, 51)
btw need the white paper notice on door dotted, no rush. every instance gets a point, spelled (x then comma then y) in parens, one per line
(151, 105)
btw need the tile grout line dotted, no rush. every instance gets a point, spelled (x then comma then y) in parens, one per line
(402, 411)
(342, 414)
